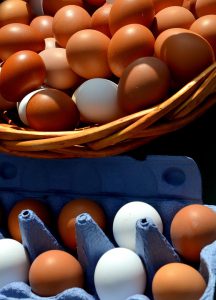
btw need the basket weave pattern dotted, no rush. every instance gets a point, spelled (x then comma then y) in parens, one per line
(121, 135)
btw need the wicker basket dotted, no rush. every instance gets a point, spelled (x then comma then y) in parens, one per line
(119, 136)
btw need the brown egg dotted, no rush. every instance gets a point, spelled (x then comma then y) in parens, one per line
(68, 214)
(198, 231)
(143, 84)
(14, 11)
(124, 12)
(51, 110)
(43, 24)
(178, 281)
(54, 271)
(205, 7)
(206, 27)
(15, 37)
(186, 54)
(95, 3)
(69, 20)
(189, 4)
(127, 44)
(100, 19)
(4, 104)
(58, 72)
(161, 4)
(172, 17)
(50, 7)
(22, 72)
(39, 208)
(87, 53)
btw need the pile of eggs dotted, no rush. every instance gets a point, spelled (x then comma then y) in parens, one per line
(120, 272)
(65, 63)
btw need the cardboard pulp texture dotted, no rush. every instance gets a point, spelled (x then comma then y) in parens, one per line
(168, 183)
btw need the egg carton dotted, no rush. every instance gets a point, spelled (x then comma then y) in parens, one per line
(168, 183)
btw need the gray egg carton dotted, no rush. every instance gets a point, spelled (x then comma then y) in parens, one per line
(168, 183)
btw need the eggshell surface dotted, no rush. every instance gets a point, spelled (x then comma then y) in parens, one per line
(59, 74)
(181, 50)
(205, 7)
(68, 214)
(14, 262)
(87, 53)
(143, 84)
(96, 100)
(43, 24)
(15, 37)
(100, 19)
(129, 43)
(68, 20)
(119, 274)
(52, 110)
(50, 7)
(124, 12)
(23, 72)
(198, 231)
(53, 272)
(161, 4)
(178, 281)
(124, 224)
(39, 208)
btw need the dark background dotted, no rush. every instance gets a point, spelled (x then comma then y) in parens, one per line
(197, 141)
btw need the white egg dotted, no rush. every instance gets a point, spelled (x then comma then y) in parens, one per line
(124, 224)
(21, 106)
(119, 274)
(14, 262)
(96, 100)
(36, 7)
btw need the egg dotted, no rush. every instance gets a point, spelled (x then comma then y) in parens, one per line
(190, 4)
(124, 12)
(14, 262)
(206, 27)
(39, 208)
(14, 11)
(100, 19)
(129, 43)
(53, 272)
(96, 100)
(43, 24)
(161, 4)
(87, 54)
(51, 110)
(205, 7)
(119, 274)
(124, 223)
(23, 72)
(172, 17)
(67, 218)
(59, 74)
(186, 54)
(95, 3)
(15, 37)
(68, 20)
(51, 43)
(178, 281)
(51, 7)
(143, 84)
(4, 104)
(198, 231)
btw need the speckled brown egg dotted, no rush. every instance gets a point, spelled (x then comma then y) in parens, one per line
(43, 24)
(15, 37)
(143, 84)
(14, 11)
(68, 20)
(124, 12)
(186, 54)
(172, 17)
(51, 110)
(53, 272)
(127, 44)
(23, 72)
(87, 53)
(198, 231)
(206, 27)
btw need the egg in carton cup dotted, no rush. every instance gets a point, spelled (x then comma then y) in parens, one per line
(167, 183)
